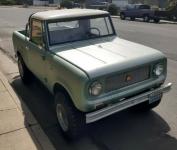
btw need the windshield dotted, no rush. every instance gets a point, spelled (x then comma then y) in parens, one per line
(79, 29)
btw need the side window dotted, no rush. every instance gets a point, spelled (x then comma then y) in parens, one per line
(144, 7)
(36, 33)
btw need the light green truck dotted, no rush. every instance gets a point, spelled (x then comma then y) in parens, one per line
(91, 72)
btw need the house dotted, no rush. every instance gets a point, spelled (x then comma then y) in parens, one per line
(120, 3)
(45, 2)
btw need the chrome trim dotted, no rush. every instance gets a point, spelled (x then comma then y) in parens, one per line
(109, 110)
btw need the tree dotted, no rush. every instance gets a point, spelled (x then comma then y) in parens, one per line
(172, 3)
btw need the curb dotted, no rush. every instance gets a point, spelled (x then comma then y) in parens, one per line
(43, 140)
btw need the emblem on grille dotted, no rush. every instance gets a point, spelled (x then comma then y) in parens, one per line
(128, 78)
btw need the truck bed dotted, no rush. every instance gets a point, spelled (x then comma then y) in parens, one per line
(19, 39)
(162, 14)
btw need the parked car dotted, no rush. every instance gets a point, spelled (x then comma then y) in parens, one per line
(140, 11)
(91, 72)
(169, 14)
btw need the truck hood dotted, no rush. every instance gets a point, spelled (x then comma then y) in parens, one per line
(106, 55)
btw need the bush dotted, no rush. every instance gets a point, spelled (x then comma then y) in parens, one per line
(7, 2)
(112, 9)
(66, 4)
(12, 2)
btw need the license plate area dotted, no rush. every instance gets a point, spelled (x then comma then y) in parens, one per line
(153, 97)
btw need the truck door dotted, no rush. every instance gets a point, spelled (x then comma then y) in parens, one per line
(144, 10)
(133, 11)
(37, 52)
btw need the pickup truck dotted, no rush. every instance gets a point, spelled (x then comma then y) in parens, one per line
(140, 11)
(91, 72)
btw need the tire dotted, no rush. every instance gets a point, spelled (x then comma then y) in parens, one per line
(174, 18)
(146, 18)
(145, 106)
(71, 120)
(122, 16)
(156, 20)
(132, 18)
(24, 72)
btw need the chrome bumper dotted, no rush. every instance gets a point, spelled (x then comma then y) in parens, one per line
(109, 110)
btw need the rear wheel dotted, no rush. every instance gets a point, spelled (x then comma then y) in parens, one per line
(122, 16)
(24, 72)
(146, 18)
(156, 20)
(71, 120)
(132, 18)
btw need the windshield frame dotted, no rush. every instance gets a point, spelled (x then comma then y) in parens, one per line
(79, 18)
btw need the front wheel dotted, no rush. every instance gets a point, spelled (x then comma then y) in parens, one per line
(71, 120)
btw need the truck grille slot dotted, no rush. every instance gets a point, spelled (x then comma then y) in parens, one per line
(127, 78)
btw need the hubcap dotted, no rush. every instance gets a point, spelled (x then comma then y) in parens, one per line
(20, 66)
(62, 117)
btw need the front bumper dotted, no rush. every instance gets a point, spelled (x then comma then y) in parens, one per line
(109, 110)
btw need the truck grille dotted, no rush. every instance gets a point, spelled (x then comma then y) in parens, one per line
(127, 78)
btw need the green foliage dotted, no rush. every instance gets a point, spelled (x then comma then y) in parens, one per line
(172, 3)
(112, 9)
(11, 2)
(7, 2)
(66, 4)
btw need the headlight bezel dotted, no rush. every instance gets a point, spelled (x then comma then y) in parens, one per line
(95, 88)
(158, 69)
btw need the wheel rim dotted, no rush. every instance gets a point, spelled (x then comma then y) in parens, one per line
(146, 18)
(62, 117)
(21, 71)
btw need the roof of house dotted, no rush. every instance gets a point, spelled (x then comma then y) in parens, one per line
(67, 13)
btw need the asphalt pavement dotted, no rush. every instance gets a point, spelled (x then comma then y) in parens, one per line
(122, 131)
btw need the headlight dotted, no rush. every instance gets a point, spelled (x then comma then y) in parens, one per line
(159, 69)
(95, 89)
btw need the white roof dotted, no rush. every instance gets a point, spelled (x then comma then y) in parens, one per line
(66, 13)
